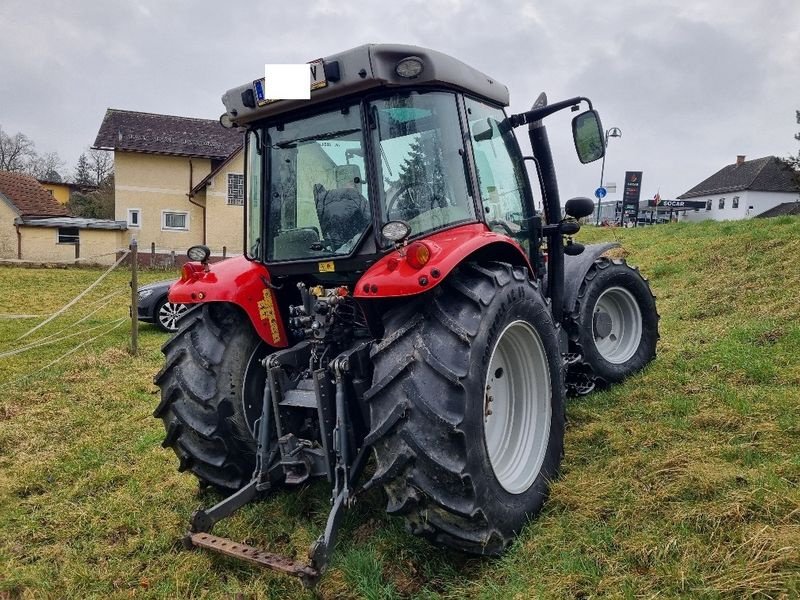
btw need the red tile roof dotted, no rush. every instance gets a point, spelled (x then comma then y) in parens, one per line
(29, 197)
(166, 134)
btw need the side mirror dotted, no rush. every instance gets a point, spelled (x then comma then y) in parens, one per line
(588, 135)
(579, 207)
(482, 131)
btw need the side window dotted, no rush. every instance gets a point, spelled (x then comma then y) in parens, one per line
(500, 177)
(721, 203)
(419, 140)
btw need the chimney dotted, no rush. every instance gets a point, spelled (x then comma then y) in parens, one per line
(739, 159)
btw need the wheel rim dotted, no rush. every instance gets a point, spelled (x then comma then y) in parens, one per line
(517, 409)
(617, 325)
(169, 314)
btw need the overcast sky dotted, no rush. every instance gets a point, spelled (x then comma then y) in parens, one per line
(690, 84)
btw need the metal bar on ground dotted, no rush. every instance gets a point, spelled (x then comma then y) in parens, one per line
(254, 555)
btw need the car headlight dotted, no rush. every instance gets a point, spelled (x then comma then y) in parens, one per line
(144, 294)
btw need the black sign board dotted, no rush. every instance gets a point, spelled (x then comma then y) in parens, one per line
(630, 195)
(678, 204)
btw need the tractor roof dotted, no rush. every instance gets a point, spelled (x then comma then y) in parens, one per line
(367, 68)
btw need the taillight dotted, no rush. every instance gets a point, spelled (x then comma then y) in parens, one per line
(418, 254)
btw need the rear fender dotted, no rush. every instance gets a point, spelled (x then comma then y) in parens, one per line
(393, 277)
(238, 281)
(575, 269)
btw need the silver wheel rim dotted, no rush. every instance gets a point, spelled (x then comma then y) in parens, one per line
(169, 314)
(517, 409)
(622, 341)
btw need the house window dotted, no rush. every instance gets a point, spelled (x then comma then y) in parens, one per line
(708, 204)
(735, 202)
(174, 221)
(236, 189)
(68, 235)
(721, 203)
(134, 217)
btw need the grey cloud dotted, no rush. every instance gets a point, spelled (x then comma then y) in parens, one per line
(690, 84)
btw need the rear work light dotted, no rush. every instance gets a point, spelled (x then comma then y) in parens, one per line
(409, 67)
(418, 254)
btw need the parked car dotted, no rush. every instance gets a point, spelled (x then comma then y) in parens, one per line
(154, 307)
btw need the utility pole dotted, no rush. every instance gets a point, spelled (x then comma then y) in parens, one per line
(610, 132)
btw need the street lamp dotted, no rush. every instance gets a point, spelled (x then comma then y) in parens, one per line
(610, 132)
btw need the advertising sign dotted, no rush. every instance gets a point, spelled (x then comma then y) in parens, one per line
(678, 204)
(630, 195)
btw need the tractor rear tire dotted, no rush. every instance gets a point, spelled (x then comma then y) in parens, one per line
(613, 329)
(201, 395)
(445, 442)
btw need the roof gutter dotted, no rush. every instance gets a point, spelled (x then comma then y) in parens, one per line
(190, 195)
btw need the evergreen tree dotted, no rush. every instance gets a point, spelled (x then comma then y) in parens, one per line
(83, 173)
(422, 177)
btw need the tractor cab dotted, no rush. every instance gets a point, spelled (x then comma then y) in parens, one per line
(395, 144)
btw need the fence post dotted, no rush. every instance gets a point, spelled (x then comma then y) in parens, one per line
(134, 297)
(152, 253)
(224, 252)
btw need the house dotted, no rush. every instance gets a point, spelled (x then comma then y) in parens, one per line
(744, 189)
(178, 181)
(61, 190)
(35, 227)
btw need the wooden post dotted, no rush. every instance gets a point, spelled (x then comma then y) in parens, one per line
(152, 253)
(134, 297)
(224, 252)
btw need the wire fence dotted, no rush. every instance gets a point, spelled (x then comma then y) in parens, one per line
(79, 324)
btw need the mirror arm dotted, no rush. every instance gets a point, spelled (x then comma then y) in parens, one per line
(537, 114)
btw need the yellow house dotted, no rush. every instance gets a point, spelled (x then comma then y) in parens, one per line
(35, 227)
(61, 190)
(159, 164)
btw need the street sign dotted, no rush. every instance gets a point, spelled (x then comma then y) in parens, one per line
(600, 193)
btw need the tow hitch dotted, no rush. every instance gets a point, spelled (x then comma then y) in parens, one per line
(299, 459)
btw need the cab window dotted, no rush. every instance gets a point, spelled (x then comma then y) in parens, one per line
(420, 161)
(500, 177)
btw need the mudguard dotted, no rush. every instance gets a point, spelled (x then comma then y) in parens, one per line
(392, 276)
(575, 269)
(240, 282)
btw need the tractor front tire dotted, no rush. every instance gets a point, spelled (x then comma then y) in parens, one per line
(467, 408)
(613, 329)
(201, 395)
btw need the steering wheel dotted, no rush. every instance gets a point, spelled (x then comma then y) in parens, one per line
(418, 201)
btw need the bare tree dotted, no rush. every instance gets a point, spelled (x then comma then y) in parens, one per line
(16, 152)
(46, 166)
(101, 165)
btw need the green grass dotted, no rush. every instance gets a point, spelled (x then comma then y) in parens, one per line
(683, 482)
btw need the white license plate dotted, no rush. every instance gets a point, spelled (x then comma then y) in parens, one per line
(317, 75)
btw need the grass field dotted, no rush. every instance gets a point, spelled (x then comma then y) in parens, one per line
(683, 482)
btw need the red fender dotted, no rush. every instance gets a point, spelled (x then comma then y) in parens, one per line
(392, 276)
(240, 282)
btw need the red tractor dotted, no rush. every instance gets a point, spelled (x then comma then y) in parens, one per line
(399, 297)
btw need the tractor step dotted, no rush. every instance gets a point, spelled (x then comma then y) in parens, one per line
(305, 572)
